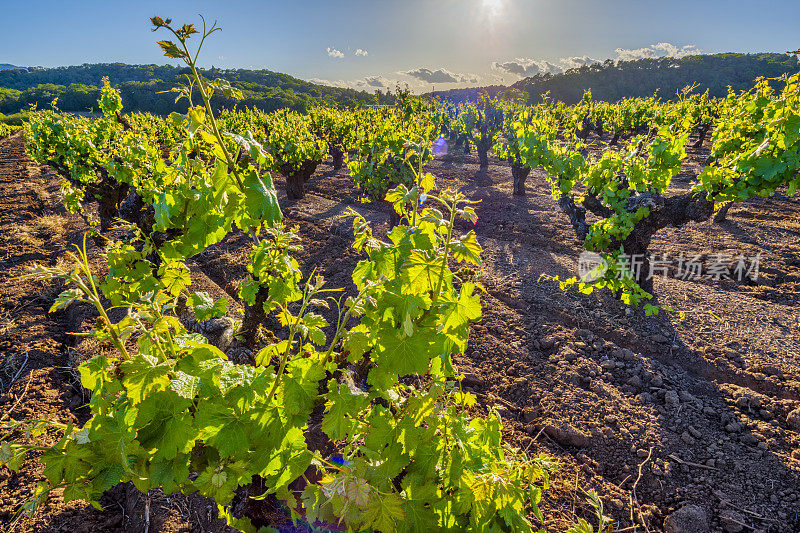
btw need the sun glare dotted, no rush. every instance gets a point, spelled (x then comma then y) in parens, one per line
(492, 8)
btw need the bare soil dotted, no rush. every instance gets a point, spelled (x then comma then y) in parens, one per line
(654, 413)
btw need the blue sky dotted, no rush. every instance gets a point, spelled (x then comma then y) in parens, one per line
(417, 42)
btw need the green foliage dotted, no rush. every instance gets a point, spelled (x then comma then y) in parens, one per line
(756, 144)
(7, 129)
(603, 522)
(286, 137)
(754, 152)
(489, 122)
(335, 127)
(170, 411)
(392, 142)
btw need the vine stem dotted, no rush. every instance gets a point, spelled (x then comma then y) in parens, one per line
(446, 253)
(287, 353)
(91, 291)
(212, 120)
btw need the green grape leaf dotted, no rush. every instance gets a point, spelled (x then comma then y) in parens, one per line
(356, 342)
(204, 307)
(117, 435)
(221, 427)
(224, 86)
(65, 299)
(68, 464)
(342, 409)
(170, 49)
(143, 375)
(384, 512)
(288, 462)
(185, 385)
(175, 276)
(166, 425)
(218, 483)
(300, 385)
(467, 249)
(96, 373)
(421, 272)
(401, 354)
(170, 475)
(109, 477)
(260, 198)
(428, 182)
(249, 145)
(232, 376)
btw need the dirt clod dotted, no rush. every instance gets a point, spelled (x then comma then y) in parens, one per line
(690, 518)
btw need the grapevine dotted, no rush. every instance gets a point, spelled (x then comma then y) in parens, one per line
(172, 411)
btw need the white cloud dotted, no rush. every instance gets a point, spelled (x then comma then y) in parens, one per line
(320, 81)
(440, 75)
(334, 53)
(377, 82)
(522, 67)
(577, 62)
(367, 83)
(656, 50)
(525, 66)
(362, 53)
(431, 76)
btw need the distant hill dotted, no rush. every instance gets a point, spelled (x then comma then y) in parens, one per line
(77, 88)
(610, 81)
(4, 66)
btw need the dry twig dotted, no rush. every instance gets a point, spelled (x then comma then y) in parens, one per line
(633, 498)
(689, 463)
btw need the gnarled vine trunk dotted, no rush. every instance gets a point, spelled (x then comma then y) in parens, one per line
(107, 191)
(722, 213)
(296, 178)
(136, 211)
(338, 158)
(585, 129)
(110, 198)
(295, 187)
(483, 156)
(519, 173)
(483, 146)
(254, 317)
(673, 211)
(702, 131)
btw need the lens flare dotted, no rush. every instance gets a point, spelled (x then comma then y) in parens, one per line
(439, 146)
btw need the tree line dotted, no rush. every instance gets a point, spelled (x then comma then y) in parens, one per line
(78, 88)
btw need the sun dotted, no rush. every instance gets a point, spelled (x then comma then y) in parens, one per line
(492, 8)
